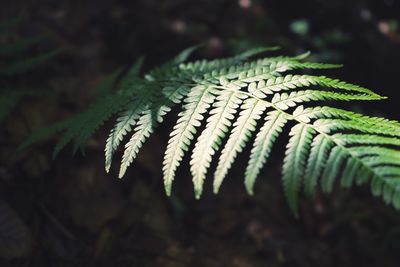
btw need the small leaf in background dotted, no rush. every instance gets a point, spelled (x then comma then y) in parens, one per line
(300, 27)
(107, 84)
(27, 64)
(44, 133)
(14, 235)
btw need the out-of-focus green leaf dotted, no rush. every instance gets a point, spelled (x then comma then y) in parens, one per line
(27, 64)
(46, 132)
(107, 83)
(300, 27)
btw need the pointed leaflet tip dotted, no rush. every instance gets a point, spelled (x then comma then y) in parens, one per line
(197, 194)
(332, 66)
(249, 189)
(303, 56)
(167, 188)
(107, 166)
(198, 190)
(272, 48)
(255, 51)
(121, 172)
(184, 55)
(216, 188)
(258, 50)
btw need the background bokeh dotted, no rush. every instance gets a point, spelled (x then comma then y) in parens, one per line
(68, 212)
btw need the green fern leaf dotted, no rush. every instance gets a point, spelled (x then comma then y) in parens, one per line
(196, 104)
(46, 132)
(242, 131)
(320, 148)
(290, 81)
(27, 64)
(262, 146)
(365, 139)
(231, 96)
(210, 139)
(204, 66)
(150, 118)
(285, 101)
(144, 128)
(295, 160)
(125, 123)
(331, 171)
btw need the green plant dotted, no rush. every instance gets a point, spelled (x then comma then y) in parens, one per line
(17, 60)
(232, 97)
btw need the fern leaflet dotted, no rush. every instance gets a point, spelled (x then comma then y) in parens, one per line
(234, 97)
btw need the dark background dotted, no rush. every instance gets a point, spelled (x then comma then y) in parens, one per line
(68, 212)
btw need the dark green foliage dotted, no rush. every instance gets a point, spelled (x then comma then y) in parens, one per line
(232, 96)
(12, 65)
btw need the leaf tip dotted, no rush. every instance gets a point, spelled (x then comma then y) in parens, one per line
(167, 189)
(197, 193)
(121, 173)
(249, 189)
(216, 189)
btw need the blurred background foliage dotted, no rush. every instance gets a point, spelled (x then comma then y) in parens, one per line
(68, 212)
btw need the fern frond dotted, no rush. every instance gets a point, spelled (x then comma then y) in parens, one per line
(374, 161)
(151, 101)
(25, 65)
(169, 70)
(203, 66)
(274, 122)
(329, 112)
(12, 64)
(197, 102)
(126, 121)
(362, 151)
(333, 165)
(231, 97)
(123, 126)
(334, 125)
(150, 118)
(260, 70)
(289, 82)
(285, 101)
(365, 139)
(208, 143)
(388, 171)
(46, 132)
(86, 123)
(295, 160)
(319, 153)
(96, 116)
(144, 128)
(79, 127)
(242, 130)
